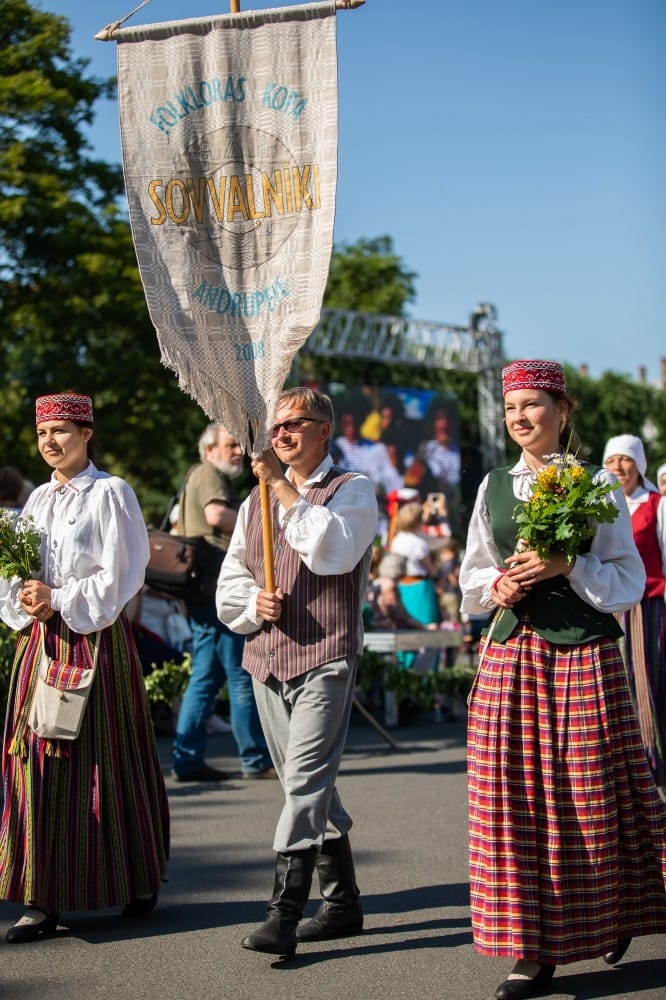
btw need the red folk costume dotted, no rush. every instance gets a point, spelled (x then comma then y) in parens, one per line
(645, 624)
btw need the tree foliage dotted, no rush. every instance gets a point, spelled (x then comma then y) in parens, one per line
(72, 305)
(368, 276)
(614, 405)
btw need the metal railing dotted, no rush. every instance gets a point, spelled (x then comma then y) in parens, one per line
(475, 348)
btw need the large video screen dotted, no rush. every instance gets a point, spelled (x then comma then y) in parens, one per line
(401, 438)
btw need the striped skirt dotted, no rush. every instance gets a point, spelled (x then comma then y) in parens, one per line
(85, 823)
(645, 656)
(567, 833)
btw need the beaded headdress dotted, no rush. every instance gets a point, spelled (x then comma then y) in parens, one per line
(64, 406)
(534, 374)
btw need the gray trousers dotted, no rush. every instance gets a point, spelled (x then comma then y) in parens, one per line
(305, 722)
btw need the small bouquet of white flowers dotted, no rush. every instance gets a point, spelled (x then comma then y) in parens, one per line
(20, 544)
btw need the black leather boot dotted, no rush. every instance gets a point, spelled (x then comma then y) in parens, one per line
(340, 913)
(293, 878)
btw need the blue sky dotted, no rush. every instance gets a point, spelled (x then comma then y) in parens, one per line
(515, 152)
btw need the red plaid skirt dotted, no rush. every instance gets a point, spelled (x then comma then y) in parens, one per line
(567, 838)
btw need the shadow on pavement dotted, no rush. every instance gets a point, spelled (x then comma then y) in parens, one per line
(178, 917)
(629, 979)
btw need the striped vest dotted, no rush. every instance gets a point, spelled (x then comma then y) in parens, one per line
(554, 611)
(321, 615)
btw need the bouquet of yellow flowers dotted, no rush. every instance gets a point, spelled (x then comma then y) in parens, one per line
(564, 509)
(20, 543)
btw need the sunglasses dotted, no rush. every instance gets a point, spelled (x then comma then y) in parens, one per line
(294, 425)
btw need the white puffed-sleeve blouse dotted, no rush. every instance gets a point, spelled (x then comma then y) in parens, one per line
(94, 550)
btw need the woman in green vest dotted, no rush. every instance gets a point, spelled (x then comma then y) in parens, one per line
(567, 830)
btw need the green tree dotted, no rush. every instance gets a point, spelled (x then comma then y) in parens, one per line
(368, 276)
(614, 404)
(72, 304)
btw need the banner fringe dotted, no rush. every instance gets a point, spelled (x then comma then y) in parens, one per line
(252, 430)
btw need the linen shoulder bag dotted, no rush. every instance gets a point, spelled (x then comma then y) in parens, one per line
(61, 695)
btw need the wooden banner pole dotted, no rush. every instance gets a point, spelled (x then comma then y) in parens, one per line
(234, 5)
(107, 34)
(267, 535)
(264, 493)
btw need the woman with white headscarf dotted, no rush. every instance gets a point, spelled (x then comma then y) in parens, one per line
(645, 625)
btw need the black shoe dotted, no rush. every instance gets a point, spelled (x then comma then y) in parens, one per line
(204, 773)
(138, 907)
(22, 933)
(613, 957)
(521, 989)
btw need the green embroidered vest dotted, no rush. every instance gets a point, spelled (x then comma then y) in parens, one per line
(553, 609)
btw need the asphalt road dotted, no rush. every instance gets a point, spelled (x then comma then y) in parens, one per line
(409, 840)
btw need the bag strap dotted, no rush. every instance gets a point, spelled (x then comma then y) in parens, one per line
(98, 643)
(165, 523)
(95, 653)
(177, 498)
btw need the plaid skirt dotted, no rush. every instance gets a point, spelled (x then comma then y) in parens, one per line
(567, 833)
(85, 823)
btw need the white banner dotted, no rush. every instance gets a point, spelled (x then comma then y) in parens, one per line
(229, 138)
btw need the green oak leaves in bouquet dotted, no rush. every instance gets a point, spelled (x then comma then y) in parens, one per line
(20, 544)
(564, 509)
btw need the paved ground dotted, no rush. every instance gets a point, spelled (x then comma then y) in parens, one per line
(409, 841)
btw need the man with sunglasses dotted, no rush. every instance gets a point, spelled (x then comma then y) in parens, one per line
(301, 645)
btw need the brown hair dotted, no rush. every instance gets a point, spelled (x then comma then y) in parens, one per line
(569, 440)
